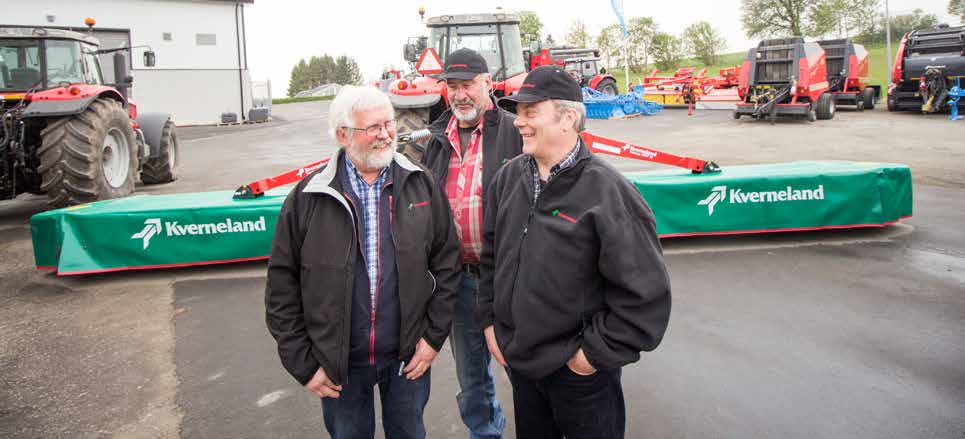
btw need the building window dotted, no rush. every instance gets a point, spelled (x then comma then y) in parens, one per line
(166, 36)
(206, 39)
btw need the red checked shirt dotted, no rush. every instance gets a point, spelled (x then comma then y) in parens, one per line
(464, 189)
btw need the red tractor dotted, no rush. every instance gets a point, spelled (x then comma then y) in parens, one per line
(785, 77)
(848, 79)
(65, 133)
(419, 99)
(581, 63)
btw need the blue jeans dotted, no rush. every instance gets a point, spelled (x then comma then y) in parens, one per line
(352, 414)
(477, 396)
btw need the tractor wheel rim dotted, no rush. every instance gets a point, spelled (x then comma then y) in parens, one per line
(115, 158)
(172, 151)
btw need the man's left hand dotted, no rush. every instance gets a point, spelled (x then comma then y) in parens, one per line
(421, 360)
(580, 365)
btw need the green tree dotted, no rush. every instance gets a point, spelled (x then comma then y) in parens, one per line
(846, 18)
(704, 42)
(299, 80)
(641, 31)
(610, 43)
(577, 36)
(530, 27)
(900, 25)
(957, 7)
(347, 71)
(784, 18)
(667, 51)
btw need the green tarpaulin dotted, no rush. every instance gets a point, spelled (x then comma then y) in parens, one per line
(156, 231)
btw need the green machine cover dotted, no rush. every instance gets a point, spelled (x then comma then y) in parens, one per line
(158, 231)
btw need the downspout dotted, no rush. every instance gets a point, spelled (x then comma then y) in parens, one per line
(241, 81)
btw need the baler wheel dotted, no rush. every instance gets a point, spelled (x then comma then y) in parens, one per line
(868, 97)
(825, 107)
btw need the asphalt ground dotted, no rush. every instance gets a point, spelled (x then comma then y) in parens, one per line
(853, 333)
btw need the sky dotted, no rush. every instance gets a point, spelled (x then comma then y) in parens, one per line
(281, 32)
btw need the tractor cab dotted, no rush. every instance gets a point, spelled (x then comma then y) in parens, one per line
(587, 71)
(494, 36)
(41, 59)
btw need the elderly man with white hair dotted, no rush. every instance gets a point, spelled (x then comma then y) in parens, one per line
(362, 276)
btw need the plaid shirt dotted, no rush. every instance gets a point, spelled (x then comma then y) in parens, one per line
(464, 189)
(369, 195)
(563, 164)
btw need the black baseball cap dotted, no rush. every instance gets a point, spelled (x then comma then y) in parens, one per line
(463, 64)
(547, 82)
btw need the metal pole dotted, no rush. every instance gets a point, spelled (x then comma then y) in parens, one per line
(888, 40)
(626, 61)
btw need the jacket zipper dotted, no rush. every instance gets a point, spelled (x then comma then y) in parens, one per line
(529, 220)
(378, 264)
(348, 258)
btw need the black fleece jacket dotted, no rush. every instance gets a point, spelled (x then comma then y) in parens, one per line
(583, 267)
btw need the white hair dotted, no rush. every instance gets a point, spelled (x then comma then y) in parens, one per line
(561, 105)
(353, 98)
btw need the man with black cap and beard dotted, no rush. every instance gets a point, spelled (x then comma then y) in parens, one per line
(469, 143)
(573, 284)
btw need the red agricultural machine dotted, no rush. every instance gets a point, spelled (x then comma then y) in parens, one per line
(785, 77)
(581, 63)
(65, 133)
(926, 67)
(688, 86)
(848, 80)
(419, 99)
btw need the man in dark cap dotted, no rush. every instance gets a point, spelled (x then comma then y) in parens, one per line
(573, 284)
(469, 143)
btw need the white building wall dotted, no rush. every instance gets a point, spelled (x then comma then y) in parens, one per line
(195, 83)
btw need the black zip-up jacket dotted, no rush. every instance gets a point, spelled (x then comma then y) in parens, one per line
(500, 143)
(583, 267)
(311, 270)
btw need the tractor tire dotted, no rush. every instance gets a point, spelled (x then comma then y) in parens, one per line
(825, 107)
(736, 115)
(812, 115)
(89, 156)
(163, 168)
(859, 104)
(608, 87)
(407, 121)
(868, 97)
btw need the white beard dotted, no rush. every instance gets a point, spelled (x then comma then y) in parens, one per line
(469, 116)
(366, 158)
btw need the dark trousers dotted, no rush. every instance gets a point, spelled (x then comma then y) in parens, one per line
(352, 414)
(565, 404)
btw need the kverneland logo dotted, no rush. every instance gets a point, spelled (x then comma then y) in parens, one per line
(152, 227)
(719, 194)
